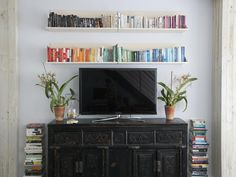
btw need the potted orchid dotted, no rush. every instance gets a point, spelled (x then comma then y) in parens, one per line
(171, 97)
(55, 93)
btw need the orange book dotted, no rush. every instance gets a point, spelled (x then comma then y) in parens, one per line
(74, 55)
(77, 54)
(81, 55)
(92, 56)
(87, 55)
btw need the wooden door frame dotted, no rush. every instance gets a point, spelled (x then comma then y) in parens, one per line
(9, 79)
(224, 89)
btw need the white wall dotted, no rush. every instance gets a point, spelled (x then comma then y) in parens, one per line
(33, 39)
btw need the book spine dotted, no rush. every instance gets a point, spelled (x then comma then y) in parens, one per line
(49, 52)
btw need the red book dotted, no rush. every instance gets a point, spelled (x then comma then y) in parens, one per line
(64, 55)
(60, 55)
(54, 55)
(166, 22)
(49, 54)
(199, 138)
(57, 54)
(67, 55)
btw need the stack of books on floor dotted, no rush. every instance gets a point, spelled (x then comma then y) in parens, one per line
(34, 150)
(198, 151)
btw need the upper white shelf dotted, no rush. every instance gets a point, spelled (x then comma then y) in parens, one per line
(138, 30)
(116, 21)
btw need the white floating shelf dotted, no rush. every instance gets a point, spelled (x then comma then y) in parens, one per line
(153, 30)
(77, 29)
(115, 63)
(139, 30)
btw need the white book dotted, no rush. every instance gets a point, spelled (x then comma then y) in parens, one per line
(179, 54)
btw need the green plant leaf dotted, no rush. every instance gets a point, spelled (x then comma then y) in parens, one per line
(186, 82)
(51, 105)
(48, 90)
(40, 85)
(164, 95)
(56, 86)
(65, 84)
(169, 90)
(161, 98)
(185, 100)
(182, 93)
(72, 92)
(186, 103)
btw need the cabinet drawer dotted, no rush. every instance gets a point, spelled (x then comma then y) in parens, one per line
(68, 138)
(119, 138)
(97, 138)
(140, 138)
(169, 137)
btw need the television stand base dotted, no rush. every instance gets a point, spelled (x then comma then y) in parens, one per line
(119, 118)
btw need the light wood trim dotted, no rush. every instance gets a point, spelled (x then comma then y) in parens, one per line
(9, 90)
(216, 114)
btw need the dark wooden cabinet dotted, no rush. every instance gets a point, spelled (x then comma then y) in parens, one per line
(66, 163)
(169, 164)
(144, 163)
(153, 148)
(119, 162)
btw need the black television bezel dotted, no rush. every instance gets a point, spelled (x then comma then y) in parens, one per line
(115, 113)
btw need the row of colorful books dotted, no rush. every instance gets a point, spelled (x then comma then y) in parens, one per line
(129, 21)
(117, 20)
(34, 150)
(198, 151)
(58, 20)
(116, 54)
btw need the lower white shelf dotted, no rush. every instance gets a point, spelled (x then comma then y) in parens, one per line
(115, 63)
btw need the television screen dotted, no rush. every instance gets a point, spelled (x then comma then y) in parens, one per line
(117, 91)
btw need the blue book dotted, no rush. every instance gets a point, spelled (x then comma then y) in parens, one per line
(148, 55)
(162, 55)
(183, 54)
(175, 54)
(167, 55)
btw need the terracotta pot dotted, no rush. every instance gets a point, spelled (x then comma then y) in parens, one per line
(59, 112)
(170, 111)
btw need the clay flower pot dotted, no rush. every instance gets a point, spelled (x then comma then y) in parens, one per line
(170, 111)
(59, 112)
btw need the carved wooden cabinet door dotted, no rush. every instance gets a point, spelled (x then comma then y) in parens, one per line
(66, 163)
(119, 162)
(144, 163)
(93, 162)
(168, 163)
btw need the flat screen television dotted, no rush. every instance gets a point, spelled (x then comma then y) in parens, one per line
(122, 91)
